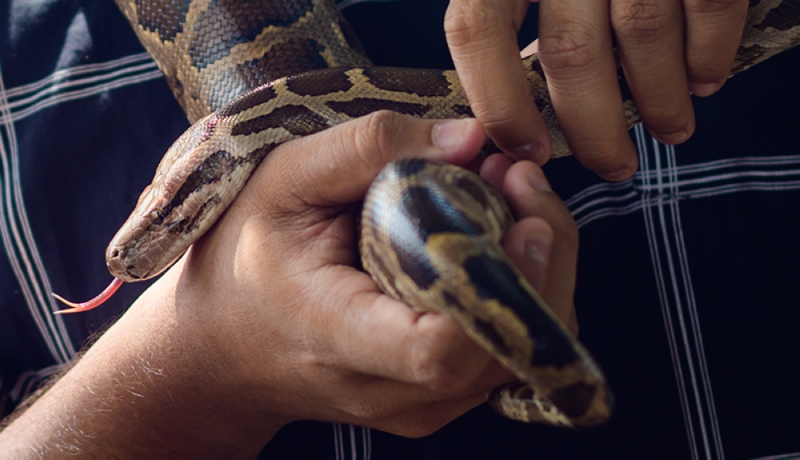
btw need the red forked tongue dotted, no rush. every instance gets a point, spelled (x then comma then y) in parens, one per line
(89, 304)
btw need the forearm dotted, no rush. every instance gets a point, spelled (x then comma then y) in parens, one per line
(148, 388)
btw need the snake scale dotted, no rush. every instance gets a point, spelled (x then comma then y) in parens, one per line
(251, 76)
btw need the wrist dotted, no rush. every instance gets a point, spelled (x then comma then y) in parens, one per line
(149, 387)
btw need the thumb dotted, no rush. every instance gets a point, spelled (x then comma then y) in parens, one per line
(337, 166)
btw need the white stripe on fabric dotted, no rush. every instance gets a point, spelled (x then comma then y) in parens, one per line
(679, 309)
(59, 76)
(337, 441)
(29, 381)
(749, 174)
(366, 438)
(76, 83)
(340, 444)
(20, 247)
(792, 456)
(660, 284)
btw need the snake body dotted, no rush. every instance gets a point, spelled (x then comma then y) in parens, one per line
(253, 76)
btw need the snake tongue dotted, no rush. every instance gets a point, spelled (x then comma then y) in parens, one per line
(100, 299)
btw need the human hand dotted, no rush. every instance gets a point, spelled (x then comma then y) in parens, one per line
(318, 334)
(265, 320)
(667, 49)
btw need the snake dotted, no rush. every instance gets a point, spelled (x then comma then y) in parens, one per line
(251, 76)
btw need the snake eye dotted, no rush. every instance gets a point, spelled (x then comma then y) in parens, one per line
(156, 217)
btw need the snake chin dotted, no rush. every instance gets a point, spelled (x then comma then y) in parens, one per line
(119, 269)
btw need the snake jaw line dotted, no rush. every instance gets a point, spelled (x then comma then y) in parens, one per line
(100, 299)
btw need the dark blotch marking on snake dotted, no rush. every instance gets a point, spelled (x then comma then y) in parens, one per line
(452, 300)
(252, 99)
(573, 400)
(165, 18)
(428, 207)
(188, 225)
(384, 274)
(427, 211)
(213, 169)
(536, 67)
(463, 110)
(408, 167)
(291, 57)
(476, 191)
(412, 81)
(236, 25)
(359, 107)
(488, 331)
(319, 83)
(494, 279)
(297, 119)
(777, 17)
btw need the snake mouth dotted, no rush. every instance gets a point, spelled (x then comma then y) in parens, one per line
(118, 268)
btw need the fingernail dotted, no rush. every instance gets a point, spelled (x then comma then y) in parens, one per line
(539, 182)
(450, 134)
(618, 175)
(704, 89)
(537, 247)
(671, 138)
(533, 152)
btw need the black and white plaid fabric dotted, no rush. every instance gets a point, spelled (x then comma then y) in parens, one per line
(686, 274)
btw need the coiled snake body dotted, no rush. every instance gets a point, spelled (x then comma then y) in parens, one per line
(252, 76)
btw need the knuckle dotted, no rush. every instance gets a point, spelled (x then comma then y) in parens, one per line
(433, 368)
(569, 48)
(436, 375)
(376, 137)
(500, 121)
(467, 21)
(641, 20)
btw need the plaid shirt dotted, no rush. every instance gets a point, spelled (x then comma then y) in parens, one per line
(686, 271)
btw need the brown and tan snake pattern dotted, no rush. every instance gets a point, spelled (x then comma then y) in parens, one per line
(255, 75)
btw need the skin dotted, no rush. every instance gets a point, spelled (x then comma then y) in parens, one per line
(265, 320)
(667, 49)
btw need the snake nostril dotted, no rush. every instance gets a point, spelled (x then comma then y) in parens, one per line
(115, 253)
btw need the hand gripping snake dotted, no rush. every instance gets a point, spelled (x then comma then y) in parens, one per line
(251, 76)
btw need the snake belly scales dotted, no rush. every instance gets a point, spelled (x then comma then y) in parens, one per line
(251, 76)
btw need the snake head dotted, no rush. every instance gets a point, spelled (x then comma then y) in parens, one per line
(197, 179)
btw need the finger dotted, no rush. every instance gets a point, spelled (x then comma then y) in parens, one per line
(337, 166)
(482, 37)
(529, 195)
(386, 338)
(576, 55)
(713, 32)
(650, 41)
(493, 170)
(528, 243)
